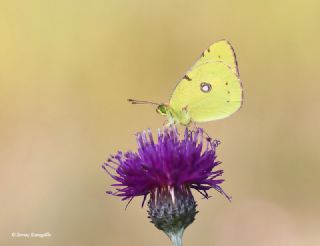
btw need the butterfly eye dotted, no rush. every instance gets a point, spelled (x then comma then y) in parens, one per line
(205, 87)
(161, 109)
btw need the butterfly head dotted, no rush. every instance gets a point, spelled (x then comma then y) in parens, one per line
(162, 109)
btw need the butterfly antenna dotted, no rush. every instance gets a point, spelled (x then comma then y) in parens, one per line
(142, 102)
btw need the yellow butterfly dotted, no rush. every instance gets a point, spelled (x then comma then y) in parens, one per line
(210, 90)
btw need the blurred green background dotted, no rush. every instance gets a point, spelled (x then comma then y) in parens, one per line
(66, 70)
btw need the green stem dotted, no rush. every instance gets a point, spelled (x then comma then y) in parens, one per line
(176, 238)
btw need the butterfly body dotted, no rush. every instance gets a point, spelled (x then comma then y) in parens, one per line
(175, 116)
(210, 90)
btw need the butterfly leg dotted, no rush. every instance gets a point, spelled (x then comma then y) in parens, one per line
(208, 138)
(166, 123)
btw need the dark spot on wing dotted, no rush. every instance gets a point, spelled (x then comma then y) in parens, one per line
(187, 77)
(185, 108)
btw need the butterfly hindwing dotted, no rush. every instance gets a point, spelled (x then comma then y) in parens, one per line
(214, 92)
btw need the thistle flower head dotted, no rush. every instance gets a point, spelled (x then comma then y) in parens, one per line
(167, 170)
(170, 163)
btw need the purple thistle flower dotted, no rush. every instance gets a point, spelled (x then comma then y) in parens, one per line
(167, 170)
(169, 163)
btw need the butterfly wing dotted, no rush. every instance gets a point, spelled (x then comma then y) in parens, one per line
(219, 51)
(211, 90)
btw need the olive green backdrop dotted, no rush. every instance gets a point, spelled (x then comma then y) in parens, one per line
(66, 70)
